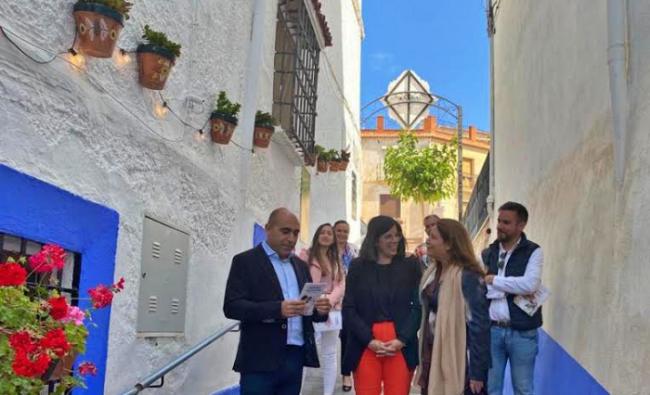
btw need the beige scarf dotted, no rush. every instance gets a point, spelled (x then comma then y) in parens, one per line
(447, 374)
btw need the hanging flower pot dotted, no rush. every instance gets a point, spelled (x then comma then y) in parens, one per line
(334, 166)
(223, 119)
(263, 129)
(156, 59)
(322, 165)
(98, 28)
(345, 159)
(222, 126)
(262, 136)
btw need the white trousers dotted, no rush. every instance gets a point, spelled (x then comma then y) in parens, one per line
(327, 345)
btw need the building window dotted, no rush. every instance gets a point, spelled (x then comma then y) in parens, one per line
(468, 179)
(296, 74)
(390, 205)
(65, 281)
(354, 195)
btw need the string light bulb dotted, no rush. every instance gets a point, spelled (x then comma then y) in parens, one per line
(160, 110)
(76, 59)
(199, 136)
(122, 58)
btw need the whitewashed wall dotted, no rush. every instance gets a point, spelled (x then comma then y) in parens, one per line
(89, 133)
(554, 153)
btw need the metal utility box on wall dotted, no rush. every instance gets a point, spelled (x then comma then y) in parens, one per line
(163, 279)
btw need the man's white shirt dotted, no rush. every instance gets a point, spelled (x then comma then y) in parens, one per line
(523, 285)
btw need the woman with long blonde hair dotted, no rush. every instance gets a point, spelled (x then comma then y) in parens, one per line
(455, 316)
(325, 266)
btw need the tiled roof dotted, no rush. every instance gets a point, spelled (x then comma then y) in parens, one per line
(327, 34)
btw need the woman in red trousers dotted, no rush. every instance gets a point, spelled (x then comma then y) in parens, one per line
(381, 311)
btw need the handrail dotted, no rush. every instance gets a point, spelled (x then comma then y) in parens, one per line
(160, 374)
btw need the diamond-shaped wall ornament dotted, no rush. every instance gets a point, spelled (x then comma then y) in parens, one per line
(408, 99)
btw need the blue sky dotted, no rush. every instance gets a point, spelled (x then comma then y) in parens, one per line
(443, 41)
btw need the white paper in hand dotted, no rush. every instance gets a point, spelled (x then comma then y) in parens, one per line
(311, 292)
(531, 305)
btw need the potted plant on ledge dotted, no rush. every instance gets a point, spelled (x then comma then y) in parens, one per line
(156, 58)
(322, 159)
(345, 159)
(335, 160)
(99, 23)
(264, 128)
(223, 119)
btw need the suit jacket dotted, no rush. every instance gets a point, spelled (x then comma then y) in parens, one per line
(254, 297)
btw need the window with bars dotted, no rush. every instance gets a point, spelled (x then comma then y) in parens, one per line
(65, 281)
(295, 79)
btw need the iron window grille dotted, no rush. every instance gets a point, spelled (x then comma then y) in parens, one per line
(295, 79)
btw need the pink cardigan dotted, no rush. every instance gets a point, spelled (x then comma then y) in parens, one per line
(337, 288)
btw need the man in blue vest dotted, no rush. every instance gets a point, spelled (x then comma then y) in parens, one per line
(514, 266)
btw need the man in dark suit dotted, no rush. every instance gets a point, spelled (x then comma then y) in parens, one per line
(263, 293)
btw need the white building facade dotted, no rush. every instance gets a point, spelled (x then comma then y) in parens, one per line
(92, 133)
(571, 109)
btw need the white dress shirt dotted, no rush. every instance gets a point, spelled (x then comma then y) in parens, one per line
(523, 285)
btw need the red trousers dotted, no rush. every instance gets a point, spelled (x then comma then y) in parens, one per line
(373, 371)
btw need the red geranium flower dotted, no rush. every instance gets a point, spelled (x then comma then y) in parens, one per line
(27, 365)
(58, 307)
(12, 274)
(22, 341)
(50, 257)
(87, 368)
(101, 296)
(119, 285)
(56, 341)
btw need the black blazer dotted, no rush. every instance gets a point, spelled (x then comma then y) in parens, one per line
(254, 297)
(360, 307)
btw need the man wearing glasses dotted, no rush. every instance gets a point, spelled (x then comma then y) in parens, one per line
(514, 266)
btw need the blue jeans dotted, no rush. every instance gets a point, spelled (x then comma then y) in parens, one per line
(520, 347)
(287, 380)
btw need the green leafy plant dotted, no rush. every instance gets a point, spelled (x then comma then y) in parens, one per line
(264, 119)
(160, 39)
(424, 174)
(334, 155)
(345, 155)
(225, 106)
(121, 6)
(39, 329)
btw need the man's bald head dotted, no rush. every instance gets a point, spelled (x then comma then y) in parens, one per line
(279, 215)
(282, 231)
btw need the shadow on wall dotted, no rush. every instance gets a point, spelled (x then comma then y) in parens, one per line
(557, 373)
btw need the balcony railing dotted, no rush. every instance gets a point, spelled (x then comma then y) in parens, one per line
(477, 209)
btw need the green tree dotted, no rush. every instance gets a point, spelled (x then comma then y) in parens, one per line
(424, 174)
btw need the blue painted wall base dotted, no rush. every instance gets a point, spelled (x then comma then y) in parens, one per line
(557, 373)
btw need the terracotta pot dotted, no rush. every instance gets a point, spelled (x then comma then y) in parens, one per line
(334, 166)
(343, 165)
(262, 136)
(155, 64)
(322, 166)
(222, 126)
(98, 28)
(310, 160)
(59, 367)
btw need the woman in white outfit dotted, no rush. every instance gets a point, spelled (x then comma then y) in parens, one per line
(325, 266)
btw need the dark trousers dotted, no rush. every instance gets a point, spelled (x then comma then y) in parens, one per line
(343, 334)
(287, 380)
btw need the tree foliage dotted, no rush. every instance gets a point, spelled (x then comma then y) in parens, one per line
(424, 174)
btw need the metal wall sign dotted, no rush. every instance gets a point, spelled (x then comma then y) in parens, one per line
(408, 99)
